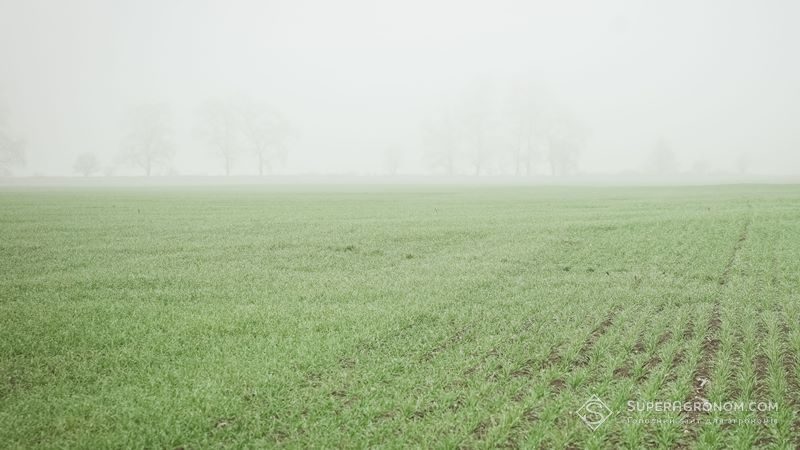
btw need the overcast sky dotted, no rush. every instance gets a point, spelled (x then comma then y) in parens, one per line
(715, 78)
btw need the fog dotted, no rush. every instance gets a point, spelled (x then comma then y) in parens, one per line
(367, 88)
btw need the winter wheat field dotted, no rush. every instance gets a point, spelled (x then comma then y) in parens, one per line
(396, 317)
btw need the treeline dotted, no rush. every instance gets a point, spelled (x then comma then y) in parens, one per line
(482, 129)
(230, 129)
(517, 130)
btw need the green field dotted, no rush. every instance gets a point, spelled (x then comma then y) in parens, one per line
(440, 316)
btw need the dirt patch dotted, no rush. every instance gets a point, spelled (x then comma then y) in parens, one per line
(622, 372)
(388, 415)
(481, 430)
(677, 359)
(688, 332)
(530, 416)
(664, 338)
(223, 423)
(456, 405)
(421, 413)
(526, 371)
(762, 365)
(651, 364)
(558, 385)
(710, 346)
(552, 359)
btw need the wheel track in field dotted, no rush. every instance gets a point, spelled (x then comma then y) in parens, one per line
(528, 370)
(348, 362)
(597, 333)
(529, 416)
(449, 342)
(680, 355)
(736, 367)
(702, 372)
(761, 390)
(584, 354)
(497, 350)
(743, 235)
(522, 330)
(625, 370)
(761, 363)
(789, 362)
(711, 342)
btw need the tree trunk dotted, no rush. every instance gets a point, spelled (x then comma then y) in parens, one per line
(529, 156)
(260, 165)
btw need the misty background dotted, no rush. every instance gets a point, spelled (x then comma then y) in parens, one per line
(412, 87)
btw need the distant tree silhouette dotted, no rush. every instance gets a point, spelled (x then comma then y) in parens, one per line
(565, 138)
(148, 141)
(392, 158)
(662, 158)
(441, 138)
(219, 127)
(264, 131)
(743, 163)
(86, 164)
(12, 148)
(475, 122)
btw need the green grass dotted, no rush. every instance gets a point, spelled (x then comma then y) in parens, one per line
(437, 317)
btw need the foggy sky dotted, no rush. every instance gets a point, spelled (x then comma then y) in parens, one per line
(715, 78)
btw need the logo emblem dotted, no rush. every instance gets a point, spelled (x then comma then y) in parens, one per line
(594, 412)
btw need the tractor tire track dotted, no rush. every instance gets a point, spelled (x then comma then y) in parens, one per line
(702, 372)
(711, 342)
(724, 278)
(449, 342)
(591, 341)
(789, 362)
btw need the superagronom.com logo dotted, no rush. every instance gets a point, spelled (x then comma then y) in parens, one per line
(594, 412)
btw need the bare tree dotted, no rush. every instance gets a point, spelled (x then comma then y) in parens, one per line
(12, 148)
(565, 137)
(526, 126)
(148, 143)
(523, 147)
(662, 159)
(475, 123)
(442, 139)
(265, 131)
(219, 127)
(86, 164)
(392, 158)
(742, 163)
